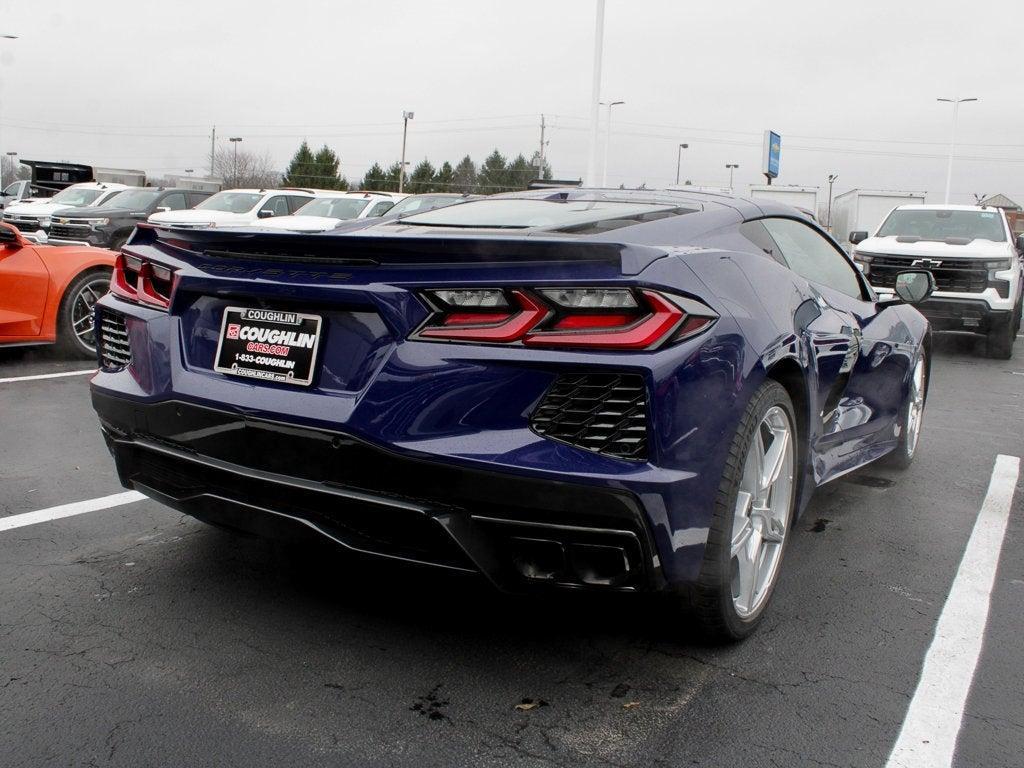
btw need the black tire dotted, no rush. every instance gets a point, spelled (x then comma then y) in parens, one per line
(68, 341)
(903, 454)
(711, 597)
(1000, 338)
(118, 241)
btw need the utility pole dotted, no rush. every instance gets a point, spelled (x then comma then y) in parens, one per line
(679, 160)
(828, 217)
(956, 101)
(406, 117)
(213, 151)
(5, 37)
(595, 93)
(607, 141)
(540, 171)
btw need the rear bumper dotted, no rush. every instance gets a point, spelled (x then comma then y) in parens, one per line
(968, 315)
(282, 480)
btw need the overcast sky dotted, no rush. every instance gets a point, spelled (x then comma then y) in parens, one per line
(850, 86)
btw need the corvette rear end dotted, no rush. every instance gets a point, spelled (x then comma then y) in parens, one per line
(475, 404)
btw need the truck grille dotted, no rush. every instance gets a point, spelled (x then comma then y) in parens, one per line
(112, 347)
(959, 275)
(24, 225)
(601, 412)
(69, 231)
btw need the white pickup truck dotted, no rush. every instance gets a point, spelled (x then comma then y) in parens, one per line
(32, 217)
(971, 252)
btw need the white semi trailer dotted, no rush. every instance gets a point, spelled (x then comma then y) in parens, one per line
(787, 194)
(866, 209)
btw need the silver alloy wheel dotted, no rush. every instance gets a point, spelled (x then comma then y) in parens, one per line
(761, 517)
(915, 408)
(82, 310)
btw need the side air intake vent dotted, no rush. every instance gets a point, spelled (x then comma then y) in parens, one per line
(601, 412)
(112, 337)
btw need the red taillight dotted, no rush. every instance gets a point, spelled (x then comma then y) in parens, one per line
(595, 318)
(142, 281)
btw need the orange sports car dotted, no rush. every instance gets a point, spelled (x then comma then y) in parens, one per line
(47, 292)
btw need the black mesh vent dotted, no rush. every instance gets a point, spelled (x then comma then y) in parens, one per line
(601, 412)
(112, 340)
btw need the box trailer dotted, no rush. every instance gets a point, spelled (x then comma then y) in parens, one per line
(49, 178)
(866, 209)
(798, 197)
(196, 183)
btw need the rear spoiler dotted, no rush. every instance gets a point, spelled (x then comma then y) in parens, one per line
(356, 248)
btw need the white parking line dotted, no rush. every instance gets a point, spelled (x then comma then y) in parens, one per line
(47, 376)
(929, 733)
(68, 510)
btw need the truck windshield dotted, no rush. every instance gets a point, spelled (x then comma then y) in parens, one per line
(73, 197)
(334, 207)
(231, 202)
(134, 199)
(941, 224)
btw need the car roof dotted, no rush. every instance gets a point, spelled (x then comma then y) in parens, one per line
(270, 190)
(945, 207)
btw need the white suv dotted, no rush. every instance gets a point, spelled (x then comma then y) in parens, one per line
(332, 208)
(971, 252)
(32, 217)
(237, 208)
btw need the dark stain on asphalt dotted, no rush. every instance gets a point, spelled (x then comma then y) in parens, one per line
(819, 525)
(869, 481)
(432, 705)
(620, 690)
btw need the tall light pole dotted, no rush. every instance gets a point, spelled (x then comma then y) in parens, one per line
(956, 101)
(679, 160)
(4, 36)
(828, 218)
(732, 167)
(234, 170)
(188, 171)
(595, 93)
(608, 140)
(406, 117)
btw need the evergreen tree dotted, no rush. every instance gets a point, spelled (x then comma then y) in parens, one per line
(521, 173)
(493, 175)
(465, 176)
(444, 179)
(374, 178)
(391, 178)
(421, 180)
(301, 169)
(326, 164)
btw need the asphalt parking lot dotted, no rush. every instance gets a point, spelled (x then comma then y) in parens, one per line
(133, 636)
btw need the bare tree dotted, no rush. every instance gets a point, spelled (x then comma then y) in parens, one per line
(247, 169)
(11, 170)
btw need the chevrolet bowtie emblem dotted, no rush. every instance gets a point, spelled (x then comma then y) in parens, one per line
(926, 263)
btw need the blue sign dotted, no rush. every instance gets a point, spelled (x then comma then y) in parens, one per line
(772, 152)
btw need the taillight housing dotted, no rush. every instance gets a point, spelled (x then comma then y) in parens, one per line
(142, 281)
(586, 317)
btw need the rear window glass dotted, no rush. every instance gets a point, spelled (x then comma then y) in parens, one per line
(579, 216)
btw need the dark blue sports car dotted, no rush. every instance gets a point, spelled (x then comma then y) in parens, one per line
(590, 389)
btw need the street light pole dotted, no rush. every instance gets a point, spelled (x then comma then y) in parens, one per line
(828, 219)
(595, 93)
(406, 117)
(234, 170)
(732, 167)
(4, 37)
(608, 140)
(679, 160)
(956, 101)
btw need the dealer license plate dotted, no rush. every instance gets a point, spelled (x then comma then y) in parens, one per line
(268, 344)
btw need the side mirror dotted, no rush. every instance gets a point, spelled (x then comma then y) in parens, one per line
(265, 213)
(162, 208)
(1020, 243)
(858, 236)
(914, 286)
(9, 237)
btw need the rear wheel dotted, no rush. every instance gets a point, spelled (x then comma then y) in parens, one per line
(913, 414)
(117, 243)
(75, 334)
(752, 519)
